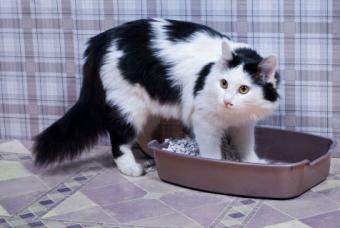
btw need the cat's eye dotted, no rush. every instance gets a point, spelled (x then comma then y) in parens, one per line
(243, 89)
(224, 83)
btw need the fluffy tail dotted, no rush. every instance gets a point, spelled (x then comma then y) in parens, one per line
(81, 126)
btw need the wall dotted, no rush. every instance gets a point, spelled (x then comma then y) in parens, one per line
(41, 45)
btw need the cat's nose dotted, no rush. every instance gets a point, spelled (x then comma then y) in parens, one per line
(227, 103)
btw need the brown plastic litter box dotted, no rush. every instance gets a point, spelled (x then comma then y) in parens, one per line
(306, 163)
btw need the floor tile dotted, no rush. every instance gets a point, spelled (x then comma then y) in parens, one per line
(114, 193)
(190, 199)
(14, 204)
(11, 170)
(14, 146)
(72, 194)
(327, 184)
(289, 224)
(265, 216)
(335, 165)
(59, 174)
(138, 209)
(173, 219)
(333, 193)
(155, 185)
(310, 203)
(3, 211)
(109, 177)
(29, 165)
(21, 186)
(76, 202)
(205, 215)
(327, 220)
(92, 214)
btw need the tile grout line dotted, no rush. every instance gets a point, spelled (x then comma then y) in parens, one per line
(223, 213)
(181, 213)
(76, 189)
(252, 213)
(53, 190)
(145, 219)
(98, 223)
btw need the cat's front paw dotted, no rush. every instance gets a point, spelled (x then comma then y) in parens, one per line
(260, 161)
(216, 156)
(134, 170)
(253, 158)
(257, 161)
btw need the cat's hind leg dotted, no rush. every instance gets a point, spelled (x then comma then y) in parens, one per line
(122, 135)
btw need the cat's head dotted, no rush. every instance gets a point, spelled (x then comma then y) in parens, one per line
(244, 83)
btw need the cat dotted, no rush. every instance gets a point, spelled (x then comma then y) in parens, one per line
(167, 68)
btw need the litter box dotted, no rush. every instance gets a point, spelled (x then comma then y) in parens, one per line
(305, 163)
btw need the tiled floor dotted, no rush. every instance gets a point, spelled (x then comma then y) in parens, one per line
(90, 192)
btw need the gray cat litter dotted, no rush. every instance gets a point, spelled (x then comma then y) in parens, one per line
(188, 146)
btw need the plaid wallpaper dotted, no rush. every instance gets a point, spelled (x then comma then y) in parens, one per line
(42, 41)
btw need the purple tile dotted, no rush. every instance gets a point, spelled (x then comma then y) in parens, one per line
(95, 214)
(28, 215)
(109, 177)
(247, 201)
(266, 216)
(59, 174)
(308, 204)
(189, 199)
(138, 209)
(236, 215)
(21, 186)
(46, 202)
(61, 190)
(114, 193)
(26, 157)
(29, 165)
(14, 204)
(74, 226)
(95, 168)
(80, 178)
(327, 220)
(36, 224)
(206, 214)
(333, 193)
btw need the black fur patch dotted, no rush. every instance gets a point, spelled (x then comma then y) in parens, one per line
(139, 63)
(200, 81)
(120, 131)
(236, 60)
(251, 60)
(181, 30)
(248, 55)
(270, 93)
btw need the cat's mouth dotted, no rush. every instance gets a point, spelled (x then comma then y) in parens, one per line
(228, 104)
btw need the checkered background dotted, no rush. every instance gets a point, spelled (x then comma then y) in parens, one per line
(42, 41)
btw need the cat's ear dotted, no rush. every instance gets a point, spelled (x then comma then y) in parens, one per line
(227, 53)
(267, 68)
(226, 57)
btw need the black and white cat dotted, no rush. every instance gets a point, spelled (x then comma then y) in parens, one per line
(168, 68)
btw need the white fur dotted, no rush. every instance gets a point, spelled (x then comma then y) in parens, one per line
(134, 102)
(205, 113)
(211, 117)
(127, 164)
(190, 56)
